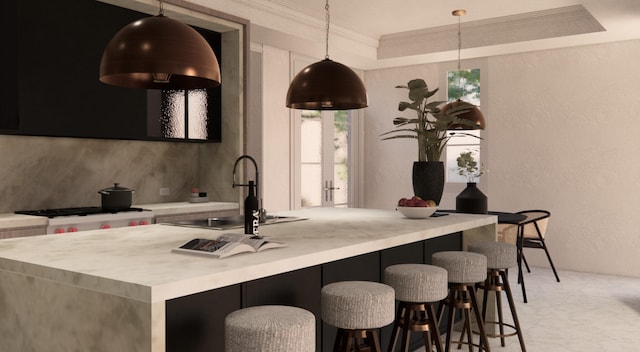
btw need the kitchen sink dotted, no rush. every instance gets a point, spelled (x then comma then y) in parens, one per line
(233, 222)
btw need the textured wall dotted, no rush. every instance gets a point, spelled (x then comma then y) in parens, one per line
(563, 135)
(566, 137)
(45, 172)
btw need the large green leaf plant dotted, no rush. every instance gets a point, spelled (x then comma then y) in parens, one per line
(431, 126)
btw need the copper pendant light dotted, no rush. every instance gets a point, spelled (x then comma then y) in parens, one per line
(474, 114)
(326, 85)
(159, 53)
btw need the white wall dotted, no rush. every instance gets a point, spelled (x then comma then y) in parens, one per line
(563, 135)
(573, 149)
(388, 163)
(276, 141)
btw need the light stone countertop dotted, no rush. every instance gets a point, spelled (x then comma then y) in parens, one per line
(137, 262)
(174, 208)
(11, 220)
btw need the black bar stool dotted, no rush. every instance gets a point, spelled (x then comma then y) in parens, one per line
(465, 269)
(417, 286)
(500, 257)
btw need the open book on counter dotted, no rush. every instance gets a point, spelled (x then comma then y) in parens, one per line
(228, 244)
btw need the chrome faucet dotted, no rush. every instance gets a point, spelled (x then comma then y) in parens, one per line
(263, 213)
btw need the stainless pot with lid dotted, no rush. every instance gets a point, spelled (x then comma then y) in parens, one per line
(116, 197)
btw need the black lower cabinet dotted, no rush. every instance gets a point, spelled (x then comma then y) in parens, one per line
(196, 323)
(452, 242)
(361, 268)
(299, 288)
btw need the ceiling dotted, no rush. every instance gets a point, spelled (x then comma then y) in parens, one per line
(379, 33)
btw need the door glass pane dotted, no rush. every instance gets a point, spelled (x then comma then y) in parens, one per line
(324, 158)
(341, 141)
(311, 159)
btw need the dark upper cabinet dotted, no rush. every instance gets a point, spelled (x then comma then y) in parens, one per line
(51, 80)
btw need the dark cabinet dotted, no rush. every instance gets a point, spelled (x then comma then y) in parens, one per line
(451, 242)
(53, 51)
(196, 322)
(299, 288)
(361, 268)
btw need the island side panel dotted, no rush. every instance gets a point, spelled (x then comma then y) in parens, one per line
(486, 233)
(42, 315)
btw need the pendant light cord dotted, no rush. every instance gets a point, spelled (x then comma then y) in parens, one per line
(326, 42)
(161, 10)
(459, 13)
(459, 42)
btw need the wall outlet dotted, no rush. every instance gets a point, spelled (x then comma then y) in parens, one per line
(164, 191)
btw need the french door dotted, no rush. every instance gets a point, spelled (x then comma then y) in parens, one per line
(326, 158)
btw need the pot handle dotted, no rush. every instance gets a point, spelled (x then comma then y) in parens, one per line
(103, 192)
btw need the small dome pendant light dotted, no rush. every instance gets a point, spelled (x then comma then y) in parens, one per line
(326, 85)
(474, 114)
(159, 53)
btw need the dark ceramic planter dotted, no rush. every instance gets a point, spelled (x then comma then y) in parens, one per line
(428, 180)
(471, 200)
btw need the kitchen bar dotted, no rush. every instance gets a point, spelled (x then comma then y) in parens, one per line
(109, 290)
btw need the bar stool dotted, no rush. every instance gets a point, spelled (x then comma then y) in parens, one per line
(500, 257)
(357, 309)
(417, 286)
(270, 328)
(465, 269)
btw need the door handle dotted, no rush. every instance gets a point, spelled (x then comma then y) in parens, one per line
(328, 191)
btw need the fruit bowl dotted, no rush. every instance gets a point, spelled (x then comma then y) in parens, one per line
(417, 212)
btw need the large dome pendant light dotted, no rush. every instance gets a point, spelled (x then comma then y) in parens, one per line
(326, 85)
(474, 114)
(159, 53)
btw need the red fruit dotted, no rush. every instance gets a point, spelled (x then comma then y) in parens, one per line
(402, 202)
(410, 203)
(421, 203)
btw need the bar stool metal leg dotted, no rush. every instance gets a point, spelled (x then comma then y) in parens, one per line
(464, 269)
(500, 257)
(416, 287)
(357, 340)
(462, 296)
(512, 307)
(419, 317)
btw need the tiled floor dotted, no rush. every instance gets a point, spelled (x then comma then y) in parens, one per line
(582, 313)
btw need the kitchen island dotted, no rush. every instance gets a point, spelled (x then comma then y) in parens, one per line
(118, 289)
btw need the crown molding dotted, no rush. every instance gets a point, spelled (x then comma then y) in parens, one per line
(552, 23)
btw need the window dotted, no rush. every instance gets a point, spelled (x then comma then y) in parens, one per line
(463, 85)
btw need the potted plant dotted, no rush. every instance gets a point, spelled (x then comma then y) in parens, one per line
(432, 127)
(471, 199)
(468, 167)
